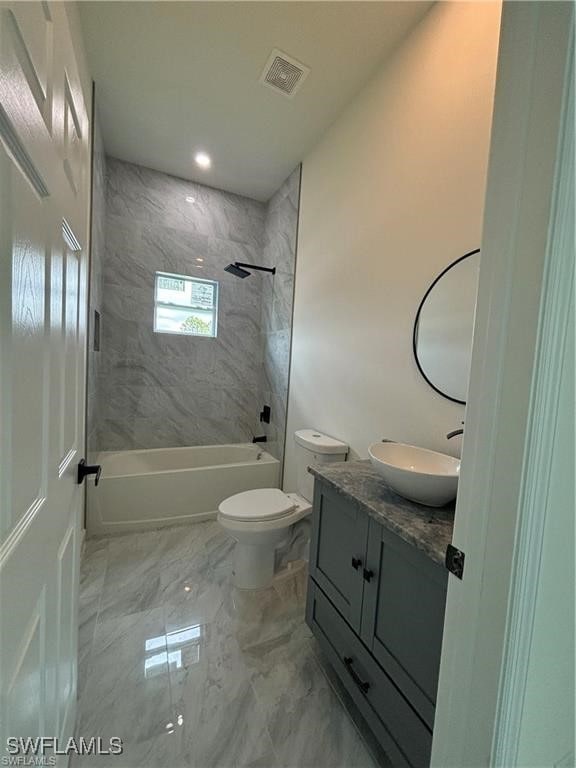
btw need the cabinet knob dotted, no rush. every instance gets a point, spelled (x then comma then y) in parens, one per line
(356, 563)
(368, 574)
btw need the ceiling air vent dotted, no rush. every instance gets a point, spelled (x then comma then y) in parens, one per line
(283, 73)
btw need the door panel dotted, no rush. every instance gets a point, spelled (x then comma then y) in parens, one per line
(30, 26)
(71, 349)
(72, 139)
(66, 669)
(403, 616)
(26, 688)
(43, 230)
(26, 374)
(338, 537)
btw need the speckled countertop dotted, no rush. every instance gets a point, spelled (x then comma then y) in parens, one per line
(427, 528)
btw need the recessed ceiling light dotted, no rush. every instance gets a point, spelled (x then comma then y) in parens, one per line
(190, 199)
(199, 259)
(202, 159)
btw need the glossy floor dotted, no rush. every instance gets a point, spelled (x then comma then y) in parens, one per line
(189, 671)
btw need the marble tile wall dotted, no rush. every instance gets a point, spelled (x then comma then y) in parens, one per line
(95, 302)
(279, 250)
(160, 390)
(152, 390)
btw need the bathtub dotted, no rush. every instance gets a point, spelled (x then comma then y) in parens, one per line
(167, 486)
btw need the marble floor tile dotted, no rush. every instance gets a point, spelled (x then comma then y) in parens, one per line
(307, 724)
(87, 617)
(93, 568)
(159, 752)
(191, 672)
(127, 693)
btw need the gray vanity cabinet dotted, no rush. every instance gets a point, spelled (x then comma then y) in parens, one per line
(403, 616)
(338, 551)
(376, 606)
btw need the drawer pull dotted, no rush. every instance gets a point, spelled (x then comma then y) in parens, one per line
(368, 575)
(356, 563)
(364, 686)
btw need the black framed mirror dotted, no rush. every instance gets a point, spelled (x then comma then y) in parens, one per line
(443, 328)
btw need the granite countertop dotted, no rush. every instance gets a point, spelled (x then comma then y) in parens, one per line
(427, 528)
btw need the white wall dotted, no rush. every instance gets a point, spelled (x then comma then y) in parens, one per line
(390, 196)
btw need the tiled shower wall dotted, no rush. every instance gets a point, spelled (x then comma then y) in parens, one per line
(161, 390)
(95, 304)
(157, 389)
(279, 250)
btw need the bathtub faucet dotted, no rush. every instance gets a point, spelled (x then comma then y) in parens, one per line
(260, 439)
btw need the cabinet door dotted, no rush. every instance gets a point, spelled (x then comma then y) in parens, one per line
(337, 551)
(403, 616)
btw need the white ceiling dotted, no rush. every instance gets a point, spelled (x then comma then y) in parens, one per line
(175, 77)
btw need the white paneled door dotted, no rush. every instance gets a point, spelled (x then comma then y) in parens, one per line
(44, 182)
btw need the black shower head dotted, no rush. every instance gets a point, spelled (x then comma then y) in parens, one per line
(236, 271)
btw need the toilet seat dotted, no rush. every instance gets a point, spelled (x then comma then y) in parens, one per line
(295, 508)
(258, 504)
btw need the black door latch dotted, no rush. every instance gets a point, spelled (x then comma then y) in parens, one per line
(88, 469)
(454, 561)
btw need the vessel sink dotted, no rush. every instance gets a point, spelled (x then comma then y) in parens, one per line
(418, 474)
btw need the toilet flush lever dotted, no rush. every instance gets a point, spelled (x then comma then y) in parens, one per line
(88, 469)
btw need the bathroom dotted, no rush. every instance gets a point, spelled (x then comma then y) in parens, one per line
(297, 376)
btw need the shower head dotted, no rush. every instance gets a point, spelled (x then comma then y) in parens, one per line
(237, 269)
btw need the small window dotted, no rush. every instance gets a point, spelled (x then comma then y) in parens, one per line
(185, 305)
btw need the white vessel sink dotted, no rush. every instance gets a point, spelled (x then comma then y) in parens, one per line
(417, 474)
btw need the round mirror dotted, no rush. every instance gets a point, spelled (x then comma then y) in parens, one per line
(444, 325)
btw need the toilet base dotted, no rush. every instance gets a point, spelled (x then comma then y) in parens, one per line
(254, 563)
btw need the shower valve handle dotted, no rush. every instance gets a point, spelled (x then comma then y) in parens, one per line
(88, 469)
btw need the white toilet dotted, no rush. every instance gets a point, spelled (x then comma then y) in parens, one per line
(263, 520)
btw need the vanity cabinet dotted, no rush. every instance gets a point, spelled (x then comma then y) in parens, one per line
(376, 606)
(339, 539)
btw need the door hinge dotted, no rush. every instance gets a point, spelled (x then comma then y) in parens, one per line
(455, 561)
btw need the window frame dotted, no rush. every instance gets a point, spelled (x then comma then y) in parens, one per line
(191, 307)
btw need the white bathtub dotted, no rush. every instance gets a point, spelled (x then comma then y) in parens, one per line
(166, 486)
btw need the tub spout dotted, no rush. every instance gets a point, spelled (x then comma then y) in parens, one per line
(260, 439)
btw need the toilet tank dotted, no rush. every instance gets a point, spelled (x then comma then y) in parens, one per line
(313, 447)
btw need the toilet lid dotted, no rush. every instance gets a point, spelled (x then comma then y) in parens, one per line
(260, 504)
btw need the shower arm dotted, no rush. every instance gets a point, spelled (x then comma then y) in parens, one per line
(242, 265)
